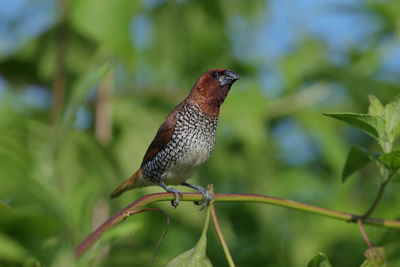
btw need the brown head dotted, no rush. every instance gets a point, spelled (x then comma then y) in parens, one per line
(211, 89)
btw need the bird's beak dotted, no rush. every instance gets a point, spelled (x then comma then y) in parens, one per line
(229, 77)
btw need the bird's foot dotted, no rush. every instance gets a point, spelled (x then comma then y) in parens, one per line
(176, 192)
(204, 192)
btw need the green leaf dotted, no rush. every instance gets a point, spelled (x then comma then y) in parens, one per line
(375, 106)
(11, 250)
(376, 257)
(113, 33)
(320, 260)
(392, 119)
(357, 158)
(372, 125)
(195, 256)
(391, 160)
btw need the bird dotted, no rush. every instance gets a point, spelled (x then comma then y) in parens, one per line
(185, 140)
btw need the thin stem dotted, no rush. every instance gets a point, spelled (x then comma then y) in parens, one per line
(115, 219)
(59, 80)
(103, 123)
(363, 233)
(133, 208)
(387, 175)
(163, 234)
(221, 236)
(376, 200)
(378, 196)
(219, 231)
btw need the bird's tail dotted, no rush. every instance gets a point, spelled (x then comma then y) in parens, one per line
(127, 185)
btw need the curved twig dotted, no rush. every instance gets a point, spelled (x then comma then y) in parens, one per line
(114, 220)
(378, 195)
(133, 209)
(221, 236)
(363, 233)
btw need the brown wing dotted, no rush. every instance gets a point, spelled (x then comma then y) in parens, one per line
(162, 137)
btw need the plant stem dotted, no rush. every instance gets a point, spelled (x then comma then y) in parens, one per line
(133, 208)
(378, 196)
(114, 220)
(59, 80)
(221, 236)
(386, 147)
(364, 234)
(376, 201)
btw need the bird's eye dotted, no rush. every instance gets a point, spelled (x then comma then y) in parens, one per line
(214, 74)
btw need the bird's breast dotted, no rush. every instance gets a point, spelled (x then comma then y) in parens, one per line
(191, 145)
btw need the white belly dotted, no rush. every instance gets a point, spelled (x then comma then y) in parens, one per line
(185, 166)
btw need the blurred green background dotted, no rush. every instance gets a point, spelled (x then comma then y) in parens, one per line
(84, 85)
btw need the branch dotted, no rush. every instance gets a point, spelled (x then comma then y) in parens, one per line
(221, 236)
(133, 208)
(103, 123)
(59, 80)
(376, 200)
(378, 196)
(364, 234)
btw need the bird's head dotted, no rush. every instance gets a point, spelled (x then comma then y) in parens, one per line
(212, 87)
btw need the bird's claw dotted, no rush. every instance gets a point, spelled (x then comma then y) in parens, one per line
(177, 194)
(206, 198)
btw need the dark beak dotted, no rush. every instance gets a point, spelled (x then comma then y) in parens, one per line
(229, 77)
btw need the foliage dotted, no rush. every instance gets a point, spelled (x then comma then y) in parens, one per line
(196, 256)
(375, 257)
(320, 260)
(127, 63)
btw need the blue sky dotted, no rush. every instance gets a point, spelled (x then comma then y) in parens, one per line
(22, 20)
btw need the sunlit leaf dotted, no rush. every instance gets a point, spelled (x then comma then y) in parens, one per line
(392, 119)
(357, 158)
(10, 249)
(370, 124)
(376, 257)
(195, 256)
(391, 160)
(113, 33)
(320, 260)
(375, 106)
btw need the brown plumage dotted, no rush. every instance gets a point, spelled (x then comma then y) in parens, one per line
(185, 139)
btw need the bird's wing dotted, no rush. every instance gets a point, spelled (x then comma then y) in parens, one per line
(163, 136)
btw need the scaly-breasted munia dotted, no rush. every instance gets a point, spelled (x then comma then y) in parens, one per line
(185, 139)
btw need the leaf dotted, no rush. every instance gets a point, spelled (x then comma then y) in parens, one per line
(10, 249)
(392, 119)
(113, 33)
(375, 106)
(391, 160)
(372, 125)
(376, 257)
(320, 260)
(357, 158)
(195, 256)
